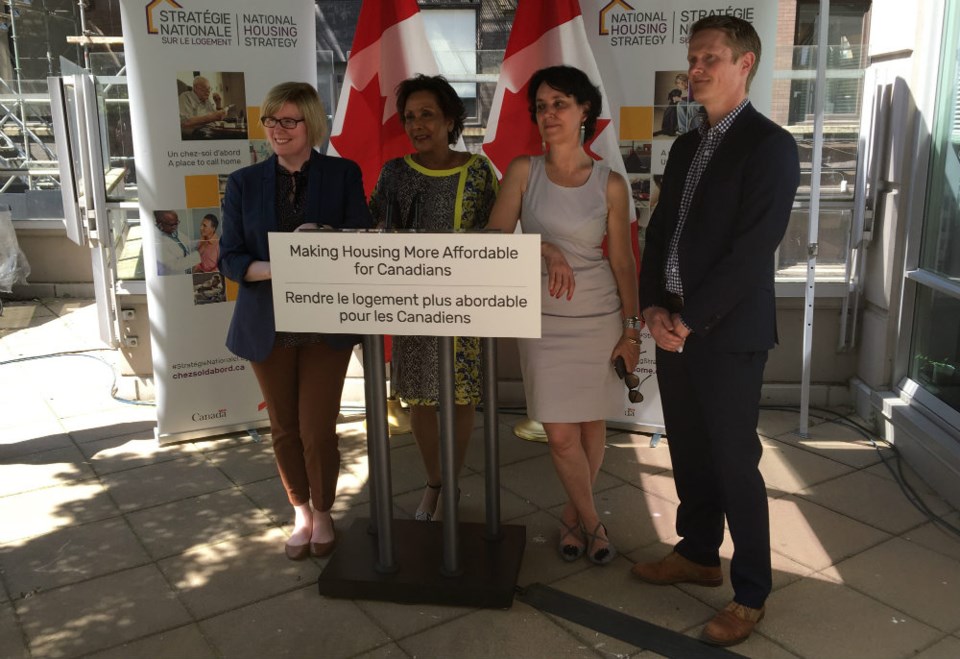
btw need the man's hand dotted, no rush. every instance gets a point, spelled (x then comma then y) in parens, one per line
(664, 329)
(678, 327)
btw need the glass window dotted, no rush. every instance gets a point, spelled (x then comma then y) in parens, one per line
(452, 34)
(795, 73)
(935, 339)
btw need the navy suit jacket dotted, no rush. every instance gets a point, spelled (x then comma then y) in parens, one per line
(737, 218)
(334, 197)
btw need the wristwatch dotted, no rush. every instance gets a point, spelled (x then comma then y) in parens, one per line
(632, 322)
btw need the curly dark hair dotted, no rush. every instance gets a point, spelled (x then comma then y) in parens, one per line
(573, 82)
(448, 100)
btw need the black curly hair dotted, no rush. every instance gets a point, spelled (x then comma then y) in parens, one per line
(573, 82)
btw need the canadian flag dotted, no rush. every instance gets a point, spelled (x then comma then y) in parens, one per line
(389, 46)
(546, 33)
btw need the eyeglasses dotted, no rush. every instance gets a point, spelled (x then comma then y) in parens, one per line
(286, 122)
(631, 380)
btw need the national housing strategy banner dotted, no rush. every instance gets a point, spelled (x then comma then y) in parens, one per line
(197, 72)
(641, 52)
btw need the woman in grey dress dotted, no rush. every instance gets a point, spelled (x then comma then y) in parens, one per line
(589, 315)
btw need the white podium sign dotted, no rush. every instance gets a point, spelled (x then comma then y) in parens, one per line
(453, 284)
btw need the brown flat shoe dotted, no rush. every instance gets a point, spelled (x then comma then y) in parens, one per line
(321, 549)
(297, 552)
(674, 568)
(732, 625)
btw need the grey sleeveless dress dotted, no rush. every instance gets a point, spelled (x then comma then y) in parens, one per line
(567, 374)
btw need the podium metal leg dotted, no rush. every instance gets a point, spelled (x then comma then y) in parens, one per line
(491, 439)
(379, 449)
(451, 512)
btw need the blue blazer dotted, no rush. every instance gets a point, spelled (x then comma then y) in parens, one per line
(334, 197)
(738, 215)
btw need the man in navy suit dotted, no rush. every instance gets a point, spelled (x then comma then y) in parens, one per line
(707, 295)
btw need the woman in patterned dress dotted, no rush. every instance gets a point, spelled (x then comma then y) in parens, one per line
(434, 189)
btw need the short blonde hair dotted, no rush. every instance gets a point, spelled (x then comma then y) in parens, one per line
(307, 100)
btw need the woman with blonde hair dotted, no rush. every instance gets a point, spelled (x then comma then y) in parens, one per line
(300, 374)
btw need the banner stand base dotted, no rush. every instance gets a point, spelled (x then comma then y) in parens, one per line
(489, 568)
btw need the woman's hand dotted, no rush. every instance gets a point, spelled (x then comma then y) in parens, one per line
(258, 271)
(628, 347)
(559, 273)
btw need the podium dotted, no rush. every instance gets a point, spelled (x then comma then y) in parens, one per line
(449, 563)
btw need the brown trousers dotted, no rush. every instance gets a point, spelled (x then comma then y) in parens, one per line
(302, 388)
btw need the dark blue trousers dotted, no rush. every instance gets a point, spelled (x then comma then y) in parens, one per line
(711, 404)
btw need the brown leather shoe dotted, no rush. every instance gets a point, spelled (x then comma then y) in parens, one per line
(674, 568)
(321, 549)
(732, 625)
(297, 552)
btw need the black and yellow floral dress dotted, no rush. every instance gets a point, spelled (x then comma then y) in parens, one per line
(435, 200)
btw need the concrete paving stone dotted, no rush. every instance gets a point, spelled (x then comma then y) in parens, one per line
(660, 485)
(472, 501)
(898, 471)
(933, 536)
(43, 511)
(838, 441)
(13, 645)
(787, 469)
(181, 643)
(388, 651)
(53, 468)
(521, 631)
(872, 500)
(295, 624)
(785, 571)
(65, 307)
(214, 578)
(68, 555)
(633, 518)
(613, 587)
(406, 469)
(125, 420)
(19, 315)
(353, 441)
(271, 497)
(815, 536)
(774, 423)
(32, 438)
(23, 409)
(536, 481)
(947, 648)
(819, 618)
(208, 519)
(220, 442)
(630, 457)
(138, 449)
(510, 447)
(245, 464)
(164, 482)
(920, 582)
(402, 620)
(541, 563)
(100, 613)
